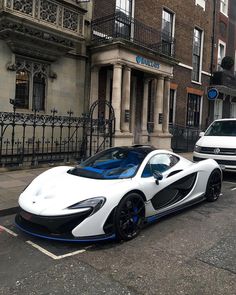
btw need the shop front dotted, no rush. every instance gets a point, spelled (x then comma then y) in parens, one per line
(137, 84)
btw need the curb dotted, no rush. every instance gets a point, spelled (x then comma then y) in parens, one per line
(9, 211)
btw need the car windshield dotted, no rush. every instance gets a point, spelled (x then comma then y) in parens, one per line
(114, 163)
(222, 128)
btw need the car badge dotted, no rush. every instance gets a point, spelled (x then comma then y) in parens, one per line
(216, 151)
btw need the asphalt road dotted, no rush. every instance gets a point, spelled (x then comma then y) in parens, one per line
(192, 252)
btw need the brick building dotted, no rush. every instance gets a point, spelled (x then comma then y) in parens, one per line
(152, 60)
(224, 45)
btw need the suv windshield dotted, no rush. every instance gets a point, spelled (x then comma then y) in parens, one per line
(222, 128)
(114, 163)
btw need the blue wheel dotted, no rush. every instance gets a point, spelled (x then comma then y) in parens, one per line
(129, 216)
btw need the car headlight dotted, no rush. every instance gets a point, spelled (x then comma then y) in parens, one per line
(197, 148)
(94, 203)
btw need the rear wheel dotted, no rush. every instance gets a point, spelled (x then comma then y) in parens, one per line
(213, 189)
(129, 216)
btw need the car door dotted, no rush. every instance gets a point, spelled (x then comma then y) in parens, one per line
(174, 185)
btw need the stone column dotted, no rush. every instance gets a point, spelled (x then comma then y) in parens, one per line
(94, 84)
(125, 106)
(144, 118)
(158, 104)
(166, 103)
(116, 94)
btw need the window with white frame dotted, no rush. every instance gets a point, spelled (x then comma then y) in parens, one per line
(224, 6)
(201, 3)
(167, 31)
(218, 107)
(31, 81)
(197, 54)
(123, 18)
(125, 6)
(221, 53)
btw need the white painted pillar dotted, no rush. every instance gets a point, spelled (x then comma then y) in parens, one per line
(116, 94)
(145, 107)
(125, 106)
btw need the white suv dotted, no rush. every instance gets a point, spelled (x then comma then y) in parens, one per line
(218, 143)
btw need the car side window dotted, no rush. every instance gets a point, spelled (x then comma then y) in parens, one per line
(160, 163)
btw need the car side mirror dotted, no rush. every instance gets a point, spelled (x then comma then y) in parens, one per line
(201, 134)
(158, 176)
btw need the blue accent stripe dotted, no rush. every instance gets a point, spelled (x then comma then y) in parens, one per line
(79, 240)
(152, 218)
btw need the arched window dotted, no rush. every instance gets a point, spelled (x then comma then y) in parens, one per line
(22, 89)
(39, 85)
(31, 83)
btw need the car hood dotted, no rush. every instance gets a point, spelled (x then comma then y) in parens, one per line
(52, 192)
(217, 141)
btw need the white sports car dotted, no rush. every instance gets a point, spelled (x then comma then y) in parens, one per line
(114, 193)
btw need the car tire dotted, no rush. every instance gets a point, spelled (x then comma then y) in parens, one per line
(213, 188)
(129, 216)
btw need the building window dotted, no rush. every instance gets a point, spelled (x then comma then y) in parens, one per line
(167, 31)
(31, 81)
(22, 89)
(201, 3)
(39, 86)
(221, 54)
(172, 106)
(123, 18)
(197, 55)
(193, 110)
(224, 6)
(124, 6)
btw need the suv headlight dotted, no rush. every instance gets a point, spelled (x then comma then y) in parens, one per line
(94, 203)
(197, 148)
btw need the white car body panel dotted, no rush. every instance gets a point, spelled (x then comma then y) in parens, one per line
(51, 193)
(218, 142)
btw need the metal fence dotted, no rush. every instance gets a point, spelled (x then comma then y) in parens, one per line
(121, 26)
(184, 138)
(31, 139)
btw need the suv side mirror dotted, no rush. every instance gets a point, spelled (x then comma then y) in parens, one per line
(201, 134)
(158, 176)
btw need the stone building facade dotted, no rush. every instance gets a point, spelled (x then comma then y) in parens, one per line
(43, 55)
(152, 61)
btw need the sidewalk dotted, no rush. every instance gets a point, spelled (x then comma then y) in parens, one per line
(13, 182)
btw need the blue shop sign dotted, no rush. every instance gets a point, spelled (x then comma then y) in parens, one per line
(147, 62)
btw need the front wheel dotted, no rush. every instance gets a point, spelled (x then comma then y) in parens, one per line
(213, 189)
(129, 216)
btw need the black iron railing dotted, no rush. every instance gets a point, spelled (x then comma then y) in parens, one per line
(120, 26)
(183, 138)
(31, 139)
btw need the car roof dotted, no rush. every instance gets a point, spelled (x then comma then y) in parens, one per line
(226, 119)
(145, 149)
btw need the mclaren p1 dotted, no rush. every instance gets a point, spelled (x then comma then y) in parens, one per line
(113, 194)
